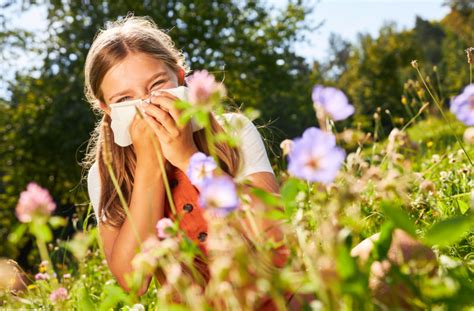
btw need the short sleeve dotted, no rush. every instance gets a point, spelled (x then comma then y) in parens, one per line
(93, 187)
(253, 154)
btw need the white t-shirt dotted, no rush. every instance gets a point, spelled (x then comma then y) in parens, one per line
(253, 155)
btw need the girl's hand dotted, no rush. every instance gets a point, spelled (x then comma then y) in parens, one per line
(142, 139)
(177, 142)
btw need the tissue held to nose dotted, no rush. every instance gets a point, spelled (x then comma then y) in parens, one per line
(122, 115)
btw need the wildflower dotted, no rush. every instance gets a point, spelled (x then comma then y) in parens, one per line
(173, 272)
(59, 294)
(469, 135)
(315, 156)
(145, 261)
(427, 186)
(35, 200)
(463, 105)
(469, 52)
(201, 167)
(137, 307)
(220, 195)
(286, 146)
(161, 227)
(333, 101)
(414, 63)
(41, 276)
(202, 87)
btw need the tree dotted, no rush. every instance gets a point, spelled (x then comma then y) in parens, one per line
(49, 121)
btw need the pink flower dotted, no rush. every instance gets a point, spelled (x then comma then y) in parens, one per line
(161, 226)
(58, 295)
(202, 86)
(41, 276)
(35, 200)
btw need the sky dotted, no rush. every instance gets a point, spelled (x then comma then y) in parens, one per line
(344, 17)
(350, 17)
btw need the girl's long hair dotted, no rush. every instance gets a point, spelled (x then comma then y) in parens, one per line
(110, 46)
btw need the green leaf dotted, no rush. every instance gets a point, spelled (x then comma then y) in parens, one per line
(382, 244)
(41, 231)
(112, 295)
(275, 214)
(266, 197)
(201, 118)
(17, 233)
(57, 221)
(182, 105)
(399, 217)
(463, 206)
(84, 301)
(449, 231)
(346, 265)
(289, 191)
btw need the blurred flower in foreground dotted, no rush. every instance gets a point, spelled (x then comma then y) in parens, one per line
(200, 168)
(286, 146)
(333, 101)
(463, 105)
(161, 226)
(137, 307)
(41, 276)
(220, 195)
(145, 261)
(469, 135)
(202, 87)
(59, 294)
(35, 200)
(315, 156)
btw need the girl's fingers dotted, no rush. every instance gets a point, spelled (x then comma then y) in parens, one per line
(157, 128)
(164, 118)
(166, 101)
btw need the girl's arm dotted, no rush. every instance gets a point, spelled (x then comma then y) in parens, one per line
(146, 208)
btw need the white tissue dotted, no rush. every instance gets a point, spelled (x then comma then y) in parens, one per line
(122, 115)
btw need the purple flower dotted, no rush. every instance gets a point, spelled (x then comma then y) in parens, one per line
(161, 226)
(200, 168)
(333, 101)
(220, 195)
(58, 295)
(315, 157)
(202, 86)
(463, 105)
(35, 200)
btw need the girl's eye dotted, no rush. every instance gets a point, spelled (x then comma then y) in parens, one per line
(157, 83)
(122, 99)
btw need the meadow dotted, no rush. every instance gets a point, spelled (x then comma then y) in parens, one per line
(338, 186)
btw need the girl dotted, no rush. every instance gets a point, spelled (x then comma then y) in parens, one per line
(128, 60)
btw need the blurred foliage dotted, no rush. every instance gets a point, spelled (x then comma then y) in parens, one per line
(46, 122)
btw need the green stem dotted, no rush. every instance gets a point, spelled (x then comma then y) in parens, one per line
(210, 138)
(439, 85)
(43, 250)
(123, 201)
(444, 116)
(165, 177)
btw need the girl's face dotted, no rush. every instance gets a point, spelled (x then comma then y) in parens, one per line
(135, 77)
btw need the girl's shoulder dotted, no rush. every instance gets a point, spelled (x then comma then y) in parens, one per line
(234, 119)
(253, 153)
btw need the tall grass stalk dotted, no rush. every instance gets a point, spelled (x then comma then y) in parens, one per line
(107, 157)
(438, 105)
